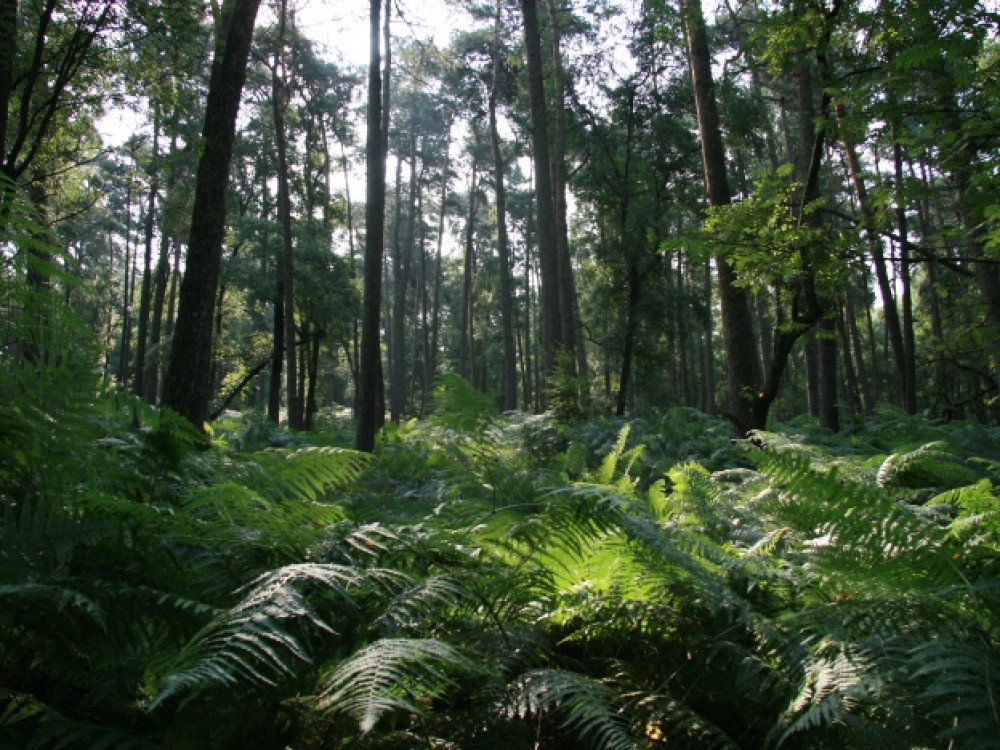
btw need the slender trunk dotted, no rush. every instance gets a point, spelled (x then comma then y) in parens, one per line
(279, 105)
(548, 257)
(854, 403)
(628, 345)
(352, 354)
(430, 362)
(466, 365)
(509, 363)
(854, 333)
(371, 398)
(743, 369)
(124, 353)
(187, 385)
(146, 292)
(152, 385)
(822, 371)
(906, 297)
(890, 311)
(160, 279)
(402, 254)
(8, 55)
(277, 353)
(568, 303)
(708, 349)
(311, 407)
(529, 390)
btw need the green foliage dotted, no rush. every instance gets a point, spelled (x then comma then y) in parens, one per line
(458, 405)
(510, 582)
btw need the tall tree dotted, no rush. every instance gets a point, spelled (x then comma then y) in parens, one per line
(743, 378)
(509, 363)
(187, 384)
(548, 258)
(279, 105)
(371, 390)
(568, 305)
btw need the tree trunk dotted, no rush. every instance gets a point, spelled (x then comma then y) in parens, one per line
(628, 345)
(466, 365)
(124, 352)
(812, 139)
(371, 391)
(146, 292)
(854, 335)
(568, 304)
(187, 386)
(152, 384)
(527, 374)
(743, 369)
(401, 261)
(509, 363)
(548, 258)
(430, 361)
(890, 310)
(8, 54)
(279, 104)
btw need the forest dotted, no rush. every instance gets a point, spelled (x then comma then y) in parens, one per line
(584, 374)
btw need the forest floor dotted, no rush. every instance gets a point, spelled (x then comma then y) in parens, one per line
(492, 580)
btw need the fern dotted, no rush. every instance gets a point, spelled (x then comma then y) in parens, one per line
(398, 674)
(586, 706)
(928, 465)
(962, 688)
(259, 641)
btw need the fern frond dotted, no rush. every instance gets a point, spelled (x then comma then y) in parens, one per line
(427, 602)
(606, 471)
(28, 724)
(398, 674)
(572, 520)
(837, 683)
(262, 638)
(304, 475)
(962, 689)
(590, 709)
(929, 465)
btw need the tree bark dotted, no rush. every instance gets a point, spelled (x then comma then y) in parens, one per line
(548, 258)
(466, 365)
(509, 362)
(279, 104)
(568, 304)
(430, 360)
(187, 386)
(371, 390)
(890, 310)
(743, 369)
(8, 54)
(146, 290)
(402, 255)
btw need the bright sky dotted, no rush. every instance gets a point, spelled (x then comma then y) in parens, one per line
(343, 26)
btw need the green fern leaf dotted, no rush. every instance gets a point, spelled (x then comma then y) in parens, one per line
(587, 705)
(397, 674)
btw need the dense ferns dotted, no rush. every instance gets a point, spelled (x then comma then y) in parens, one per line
(490, 581)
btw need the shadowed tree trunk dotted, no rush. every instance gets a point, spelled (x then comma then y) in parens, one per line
(146, 291)
(371, 390)
(466, 343)
(548, 260)
(430, 359)
(187, 386)
(286, 271)
(509, 365)
(568, 304)
(742, 368)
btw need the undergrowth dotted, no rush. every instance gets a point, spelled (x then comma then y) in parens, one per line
(490, 580)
